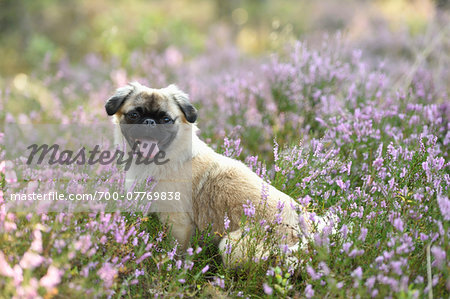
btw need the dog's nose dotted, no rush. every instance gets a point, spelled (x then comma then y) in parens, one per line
(150, 122)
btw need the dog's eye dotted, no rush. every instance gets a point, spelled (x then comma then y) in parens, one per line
(133, 115)
(167, 119)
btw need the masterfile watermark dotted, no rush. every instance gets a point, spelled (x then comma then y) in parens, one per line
(94, 167)
(96, 196)
(105, 157)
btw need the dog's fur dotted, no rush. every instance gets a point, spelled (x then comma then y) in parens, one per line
(220, 185)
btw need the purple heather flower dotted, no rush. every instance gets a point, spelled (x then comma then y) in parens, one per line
(138, 273)
(397, 267)
(370, 282)
(444, 206)
(341, 184)
(309, 292)
(219, 282)
(270, 272)
(312, 273)
(278, 218)
(363, 234)
(228, 248)
(249, 209)
(305, 200)
(188, 265)
(439, 256)
(264, 192)
(171, 254)
(160, 236)
(423, 237)
(268, 290)
(285, 248)
(356, 252)
(344, 231)
(346, 246)
(143, 257)
(275, 151)
(357, 273)
(107, 273)
(398, 224)
(378, 163)
(226, 222)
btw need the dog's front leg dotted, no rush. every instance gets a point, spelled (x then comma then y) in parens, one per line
(182, 227)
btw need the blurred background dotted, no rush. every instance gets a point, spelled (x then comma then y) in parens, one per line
(32, 32)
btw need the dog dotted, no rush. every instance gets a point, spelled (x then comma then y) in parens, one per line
(214, 186)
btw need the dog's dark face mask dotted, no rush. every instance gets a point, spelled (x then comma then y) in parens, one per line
(149, 120)
(148, 139)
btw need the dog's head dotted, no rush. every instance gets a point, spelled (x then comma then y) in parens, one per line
(151, 118)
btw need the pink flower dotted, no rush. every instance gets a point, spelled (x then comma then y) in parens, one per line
(83, 244)
(18, 275)
(36, 245)
(10, 174)
(29, 291)
(30, 260)
(52, 278)
(5, 268)
(107, 273)
(103, 239)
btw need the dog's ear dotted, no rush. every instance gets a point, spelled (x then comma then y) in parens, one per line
(113, 103)
(182, 100)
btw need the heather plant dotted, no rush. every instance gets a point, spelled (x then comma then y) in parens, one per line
(321, 123)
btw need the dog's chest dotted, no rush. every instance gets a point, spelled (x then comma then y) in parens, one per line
(170, 188)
